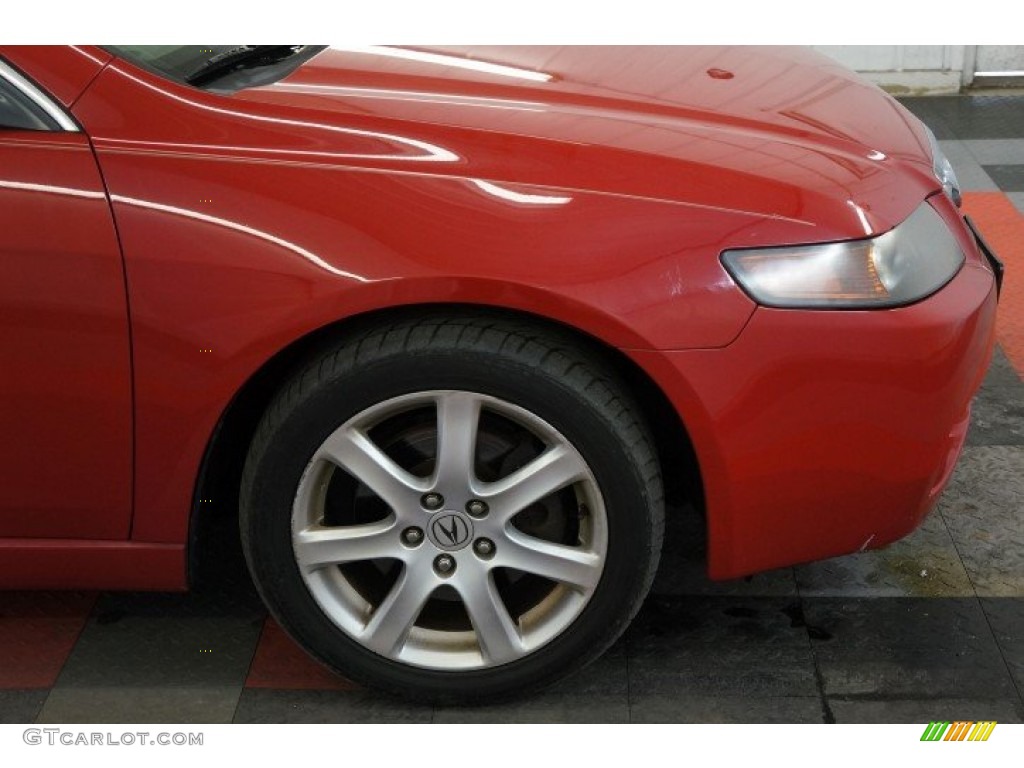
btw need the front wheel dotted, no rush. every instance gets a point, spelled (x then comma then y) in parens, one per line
(453, 509)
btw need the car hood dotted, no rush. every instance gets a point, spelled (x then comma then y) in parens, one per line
(773, 132)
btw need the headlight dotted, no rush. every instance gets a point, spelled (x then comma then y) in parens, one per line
(943, 170)
(905, 264)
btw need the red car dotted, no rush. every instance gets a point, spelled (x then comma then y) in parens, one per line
(444, 326)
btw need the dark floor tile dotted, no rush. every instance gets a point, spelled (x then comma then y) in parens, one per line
(259, 705)
(927, 624)
(544, 708)
(37, 632)
(21, 706)
(925, 110)
(203, 638)
(926, 710)
(769, 675)
(133, 642)
(975, 116)
(659, 708)
(597, 694)
(1010, 178)
(907, 648)
(997, 413)
(905, 672)
(1006, 616)
(712, 646)
(681, 626)
(207, 704)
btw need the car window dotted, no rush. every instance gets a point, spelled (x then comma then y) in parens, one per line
(222, 68)
(173, 61)
(18, 112)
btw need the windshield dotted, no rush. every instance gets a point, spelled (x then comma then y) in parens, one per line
(218, 67)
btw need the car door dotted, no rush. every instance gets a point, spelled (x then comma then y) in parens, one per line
(65, 363)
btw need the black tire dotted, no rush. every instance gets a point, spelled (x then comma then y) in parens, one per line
(548, 373)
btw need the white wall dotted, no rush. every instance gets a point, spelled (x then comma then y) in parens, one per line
(908, 69)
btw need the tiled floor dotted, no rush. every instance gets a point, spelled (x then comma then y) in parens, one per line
(930, 628)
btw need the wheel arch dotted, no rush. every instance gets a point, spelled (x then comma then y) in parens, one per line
(213, 536)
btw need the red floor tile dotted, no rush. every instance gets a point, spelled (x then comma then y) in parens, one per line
(280, 663)
(1002, 226)
(37, 632)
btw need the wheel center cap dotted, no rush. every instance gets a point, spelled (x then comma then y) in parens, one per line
(450, 530)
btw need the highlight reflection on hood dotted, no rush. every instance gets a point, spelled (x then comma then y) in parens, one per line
(519, 197)
(444, 60)
(309, 256)
(429, 152)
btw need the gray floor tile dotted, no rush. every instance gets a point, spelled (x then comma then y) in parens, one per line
(907, 648)
(720, 646)
(659, 708)
(1010, 178)
(21, 706)
(1017, 198)
(969, 173)
(997, 151)
(926, 710)
(984, 510)
(924, 564)
(997, 413)
(271, 706)
(144, 651)
(140, 705)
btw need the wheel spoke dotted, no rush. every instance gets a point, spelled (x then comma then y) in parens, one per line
(558, 562)
(496, 632)
(392, 615)
(551, 471)
(458, 415)
(318, 547)
(354, 452)
(389, 626)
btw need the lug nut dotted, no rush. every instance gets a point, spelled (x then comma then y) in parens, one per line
(412, 536)
(476, 508)
(444, 565)
(432, 500)
(483, 547)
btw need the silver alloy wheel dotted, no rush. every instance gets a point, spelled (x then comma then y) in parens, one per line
(453, 553)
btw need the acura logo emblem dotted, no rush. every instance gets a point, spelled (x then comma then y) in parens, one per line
(450, 530)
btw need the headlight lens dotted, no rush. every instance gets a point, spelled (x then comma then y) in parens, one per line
(902, 266)
(943, 170)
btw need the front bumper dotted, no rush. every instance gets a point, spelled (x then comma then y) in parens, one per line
(821, 433)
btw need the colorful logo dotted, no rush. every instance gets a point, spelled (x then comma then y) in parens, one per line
(959, 731)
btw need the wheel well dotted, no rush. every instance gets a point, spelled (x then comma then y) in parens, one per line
(213, 530)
